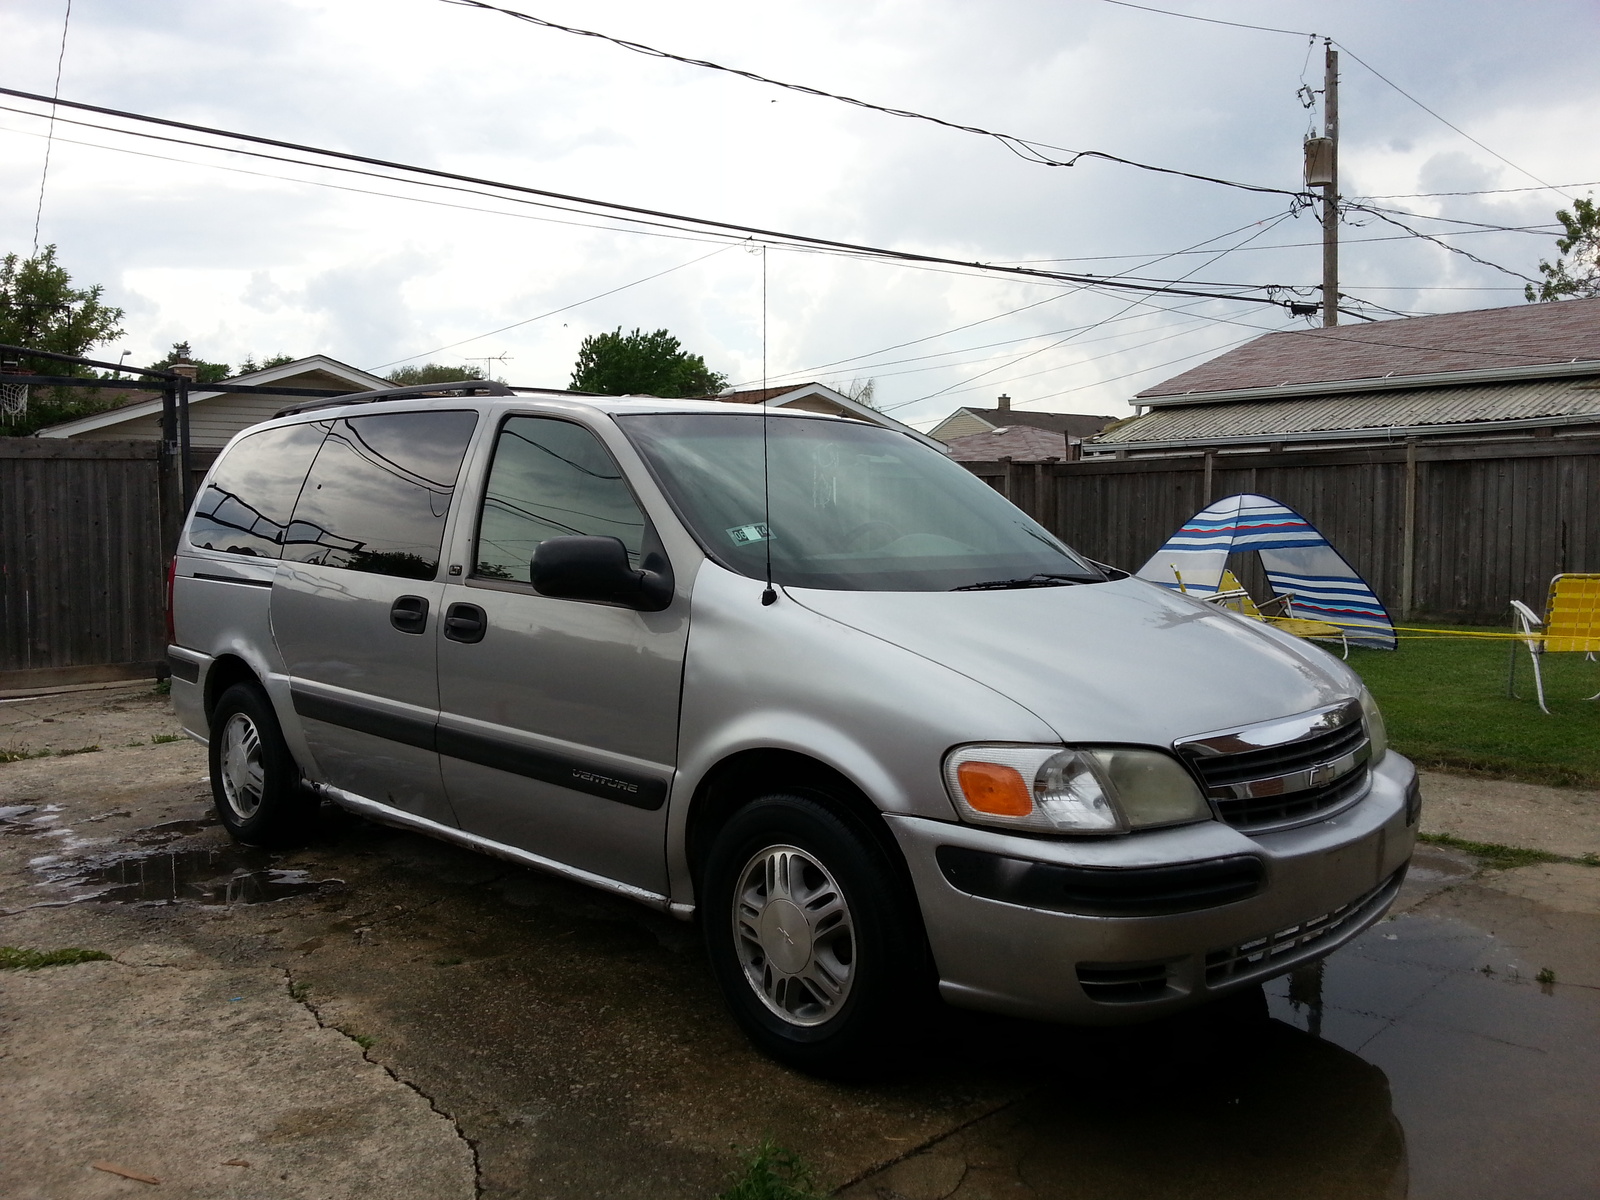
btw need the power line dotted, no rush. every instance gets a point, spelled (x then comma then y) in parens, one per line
(1032, 337)
(61, 57)
(1382, 216)
(323, 183)
(627, 212)
(1397, 237)
(1025, 148)
(1380, 75)
(1547, 187)
(1151, 260)
(1079, 362)
(1442, 120)
(1166, 12)
(1535, 230)
(1045, 349)
(565, 307)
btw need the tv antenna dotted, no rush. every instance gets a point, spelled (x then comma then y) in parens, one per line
(488, 359)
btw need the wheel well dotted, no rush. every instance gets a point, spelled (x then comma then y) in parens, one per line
(225, 671)
(751, 774)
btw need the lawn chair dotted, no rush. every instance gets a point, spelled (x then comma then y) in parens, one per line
(1571, 626)
(1230, 594)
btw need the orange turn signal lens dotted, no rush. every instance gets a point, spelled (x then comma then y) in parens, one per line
(994, 789)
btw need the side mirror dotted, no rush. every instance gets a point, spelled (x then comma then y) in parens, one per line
(596, 568)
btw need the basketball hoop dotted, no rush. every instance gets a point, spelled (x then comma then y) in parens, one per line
(13, 396)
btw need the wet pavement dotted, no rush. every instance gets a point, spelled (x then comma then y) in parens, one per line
(576, 1044)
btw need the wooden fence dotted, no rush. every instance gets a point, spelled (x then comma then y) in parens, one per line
(1450, 531)
(1446, 530)
(84, 531)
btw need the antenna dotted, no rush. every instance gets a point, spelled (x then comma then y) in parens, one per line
(487, 359)
(770, 595)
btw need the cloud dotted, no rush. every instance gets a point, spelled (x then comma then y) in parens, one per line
(240, 263)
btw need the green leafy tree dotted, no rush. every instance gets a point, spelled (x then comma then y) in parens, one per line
(645, 364)
(210, 372)
(1582, 242)
(431, 373)
(40, 308)
(250, 365)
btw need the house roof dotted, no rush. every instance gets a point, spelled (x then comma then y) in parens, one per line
(1020, 443)
(144, 404)
(1376, 412)
(1074, 425)
(1497, 339)
(781, 397)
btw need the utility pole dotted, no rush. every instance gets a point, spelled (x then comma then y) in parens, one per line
(1330, 190)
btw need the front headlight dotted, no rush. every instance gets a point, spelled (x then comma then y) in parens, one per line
(1087, 789)
(1377, 733)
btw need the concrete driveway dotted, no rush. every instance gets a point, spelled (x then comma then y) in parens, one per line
(382, 1014)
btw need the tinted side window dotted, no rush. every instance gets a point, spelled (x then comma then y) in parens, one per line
(550, 479)
(246, 507)
(379, 492)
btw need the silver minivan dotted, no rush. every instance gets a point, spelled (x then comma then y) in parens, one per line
(799, 677)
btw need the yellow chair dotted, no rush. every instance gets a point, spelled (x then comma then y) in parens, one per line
(1571, 625)
(1231, 594)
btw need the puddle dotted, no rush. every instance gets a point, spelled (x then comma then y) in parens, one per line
(169, 831)
(29, 819)
(223, 875)
(1422, 1061)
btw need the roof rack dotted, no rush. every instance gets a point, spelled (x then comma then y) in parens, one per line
(421, 391)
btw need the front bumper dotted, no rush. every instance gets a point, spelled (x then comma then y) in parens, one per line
(1323, 884)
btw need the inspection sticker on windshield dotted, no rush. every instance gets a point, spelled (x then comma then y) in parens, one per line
(744, 535)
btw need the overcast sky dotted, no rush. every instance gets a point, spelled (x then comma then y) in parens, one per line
(280, 261)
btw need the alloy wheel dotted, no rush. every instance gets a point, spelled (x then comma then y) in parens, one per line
(794, 935)
(243, 776)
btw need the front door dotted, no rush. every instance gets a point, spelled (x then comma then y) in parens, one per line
(356, 603)
(559, 718)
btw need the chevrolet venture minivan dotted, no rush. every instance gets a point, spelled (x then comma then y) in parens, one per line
(799, 677)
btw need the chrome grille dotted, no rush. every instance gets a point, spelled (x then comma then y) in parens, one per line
(1282, 773)
(1279, 812)
(1260, 954)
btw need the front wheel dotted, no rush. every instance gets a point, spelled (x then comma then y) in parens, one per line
(813, 937)
(254, 780)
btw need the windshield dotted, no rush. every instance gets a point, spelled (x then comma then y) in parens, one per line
(854, 507)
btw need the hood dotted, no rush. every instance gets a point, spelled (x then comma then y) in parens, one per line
(1124, 661)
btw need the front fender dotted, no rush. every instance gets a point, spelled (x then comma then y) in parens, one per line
(783, 677)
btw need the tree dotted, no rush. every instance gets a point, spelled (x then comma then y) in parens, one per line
(862, 391)
(210, 372)
(431, 373)
(249, 366)
(1582, 242)
(639, 363)
(40, 308)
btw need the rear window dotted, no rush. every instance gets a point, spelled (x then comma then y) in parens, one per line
(379, 492)
(248, 502)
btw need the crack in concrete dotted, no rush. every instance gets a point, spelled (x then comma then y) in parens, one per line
(878, 1168)
(300, 994)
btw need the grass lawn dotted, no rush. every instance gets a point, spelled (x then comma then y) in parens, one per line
(1445, 704)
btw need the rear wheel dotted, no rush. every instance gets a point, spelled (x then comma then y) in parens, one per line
(813, 937)
(254, 780)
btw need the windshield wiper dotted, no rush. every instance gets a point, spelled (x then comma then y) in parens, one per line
(1041, 579)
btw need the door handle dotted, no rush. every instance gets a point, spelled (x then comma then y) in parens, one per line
(465, 623)
(409, 614)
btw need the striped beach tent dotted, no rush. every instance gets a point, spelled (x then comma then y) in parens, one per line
(1298, 561)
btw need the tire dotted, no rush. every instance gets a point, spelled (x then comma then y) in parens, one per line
(254, 780)
(815, 938)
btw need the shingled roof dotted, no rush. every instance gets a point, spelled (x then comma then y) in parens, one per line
(1491, 338)
(1020, 443)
